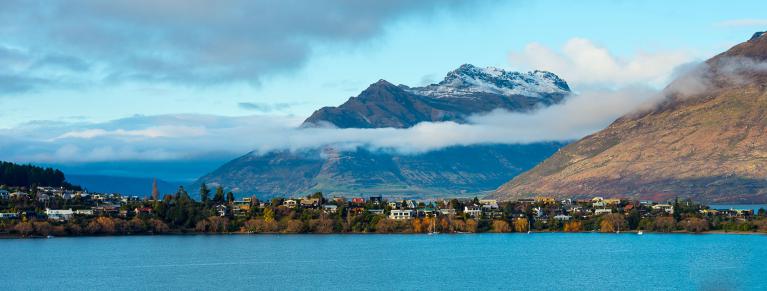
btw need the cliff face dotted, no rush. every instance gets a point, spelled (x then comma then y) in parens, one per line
(707, 141)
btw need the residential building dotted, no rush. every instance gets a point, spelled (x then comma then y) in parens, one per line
(668, 208)
(376, 211)
(472, 210)
(447, 211)
(358, 200)
(290, 203)
(601, 211)
(330, 208)
(562, 217)
(84, 212)
(401, 214)
(4, 194)
(59, 214)
(221, 210)
(376, 200)
(310, 202)
(9, 215)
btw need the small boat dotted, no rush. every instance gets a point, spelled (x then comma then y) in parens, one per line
(639, 232)
(49, 236)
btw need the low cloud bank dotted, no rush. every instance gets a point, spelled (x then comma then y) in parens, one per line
(178, 137)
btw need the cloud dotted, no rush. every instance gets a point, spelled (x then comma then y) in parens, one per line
(584, 64)
(746, 22)
(185, 137)
(265, 107)
(183, 42)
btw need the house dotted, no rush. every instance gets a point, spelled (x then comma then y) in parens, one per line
(42, 197)
(221, 209)
(329, 208)
(668, 208)
(562, 217)
(339, 200)
(447, 211)
(472, 210)
(143, 211)
(310, 202)
(376, 200)
(243, 205)
(4, 194)
(411, 204)
(628, 208)
(59, 214)
(84, 212)
(358, 200)
(376, 211)
(18, 195)
(9, 215)
(545, 200)
(526, 201)
(401, 214)
(290, 203)
(426, 212)
(395, 204)
(612, 201)
(106, 210)
(601, 211)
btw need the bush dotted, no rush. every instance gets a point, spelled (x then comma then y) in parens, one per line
(501, 226)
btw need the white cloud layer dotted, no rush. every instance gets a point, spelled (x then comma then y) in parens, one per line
(584, 64)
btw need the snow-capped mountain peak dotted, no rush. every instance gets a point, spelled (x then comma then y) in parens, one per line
(469, 80)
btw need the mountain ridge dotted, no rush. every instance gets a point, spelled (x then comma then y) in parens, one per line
(704, 142)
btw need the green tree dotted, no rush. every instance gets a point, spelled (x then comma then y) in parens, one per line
(229, 197)
(204, 193)
(219, 196)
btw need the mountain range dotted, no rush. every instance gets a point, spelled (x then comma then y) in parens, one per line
(452, 171)
(707, 140)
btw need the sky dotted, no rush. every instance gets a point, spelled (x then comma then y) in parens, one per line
(108, 83)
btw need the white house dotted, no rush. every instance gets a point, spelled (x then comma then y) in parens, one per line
(562, 217)
(668, 208)
(329, 208)
(601, 211)
(8, 215)
(290, 203)
(472, 210)
(59, 214)
(401, 214)
(85, 212)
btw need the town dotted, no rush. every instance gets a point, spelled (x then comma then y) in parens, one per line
(58, 211)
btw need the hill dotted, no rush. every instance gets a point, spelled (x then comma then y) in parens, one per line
(707, 140)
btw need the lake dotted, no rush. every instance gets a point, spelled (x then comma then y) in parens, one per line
(755, 207)
(544, 261)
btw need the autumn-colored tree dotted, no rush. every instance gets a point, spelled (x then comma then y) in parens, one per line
(136, 225)
(158, 226)
(458, 225)
(521, 225)
(664, 224)
(501, 226)
(269, 215)
(444, 224)
(694, 224)
(42, 228)
(24, 228)
(612, 222)
(471, 225)
(573, 226)
(294, 226)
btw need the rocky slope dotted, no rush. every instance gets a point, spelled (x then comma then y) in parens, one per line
(707, 140)
(461, 170)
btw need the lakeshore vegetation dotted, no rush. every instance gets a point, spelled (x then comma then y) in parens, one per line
(57, 211)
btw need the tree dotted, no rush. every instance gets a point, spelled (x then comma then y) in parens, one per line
(501, 226)
(155, 191)
(218, 198)
(521, 225)
(573, 226)
(612, 222)
(229, 197)
(204, 192)
(694, 224)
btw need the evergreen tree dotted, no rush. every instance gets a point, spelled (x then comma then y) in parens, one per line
(229, 197)
(219, 196)
(204, 192)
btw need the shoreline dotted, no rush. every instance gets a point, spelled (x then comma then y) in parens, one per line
(633, 232)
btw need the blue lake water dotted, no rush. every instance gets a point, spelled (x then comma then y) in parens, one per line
(543, 261)
(755, 207)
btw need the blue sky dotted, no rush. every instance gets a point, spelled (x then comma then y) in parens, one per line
(87, 69)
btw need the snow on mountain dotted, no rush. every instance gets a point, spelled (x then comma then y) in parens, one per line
(468, 80)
